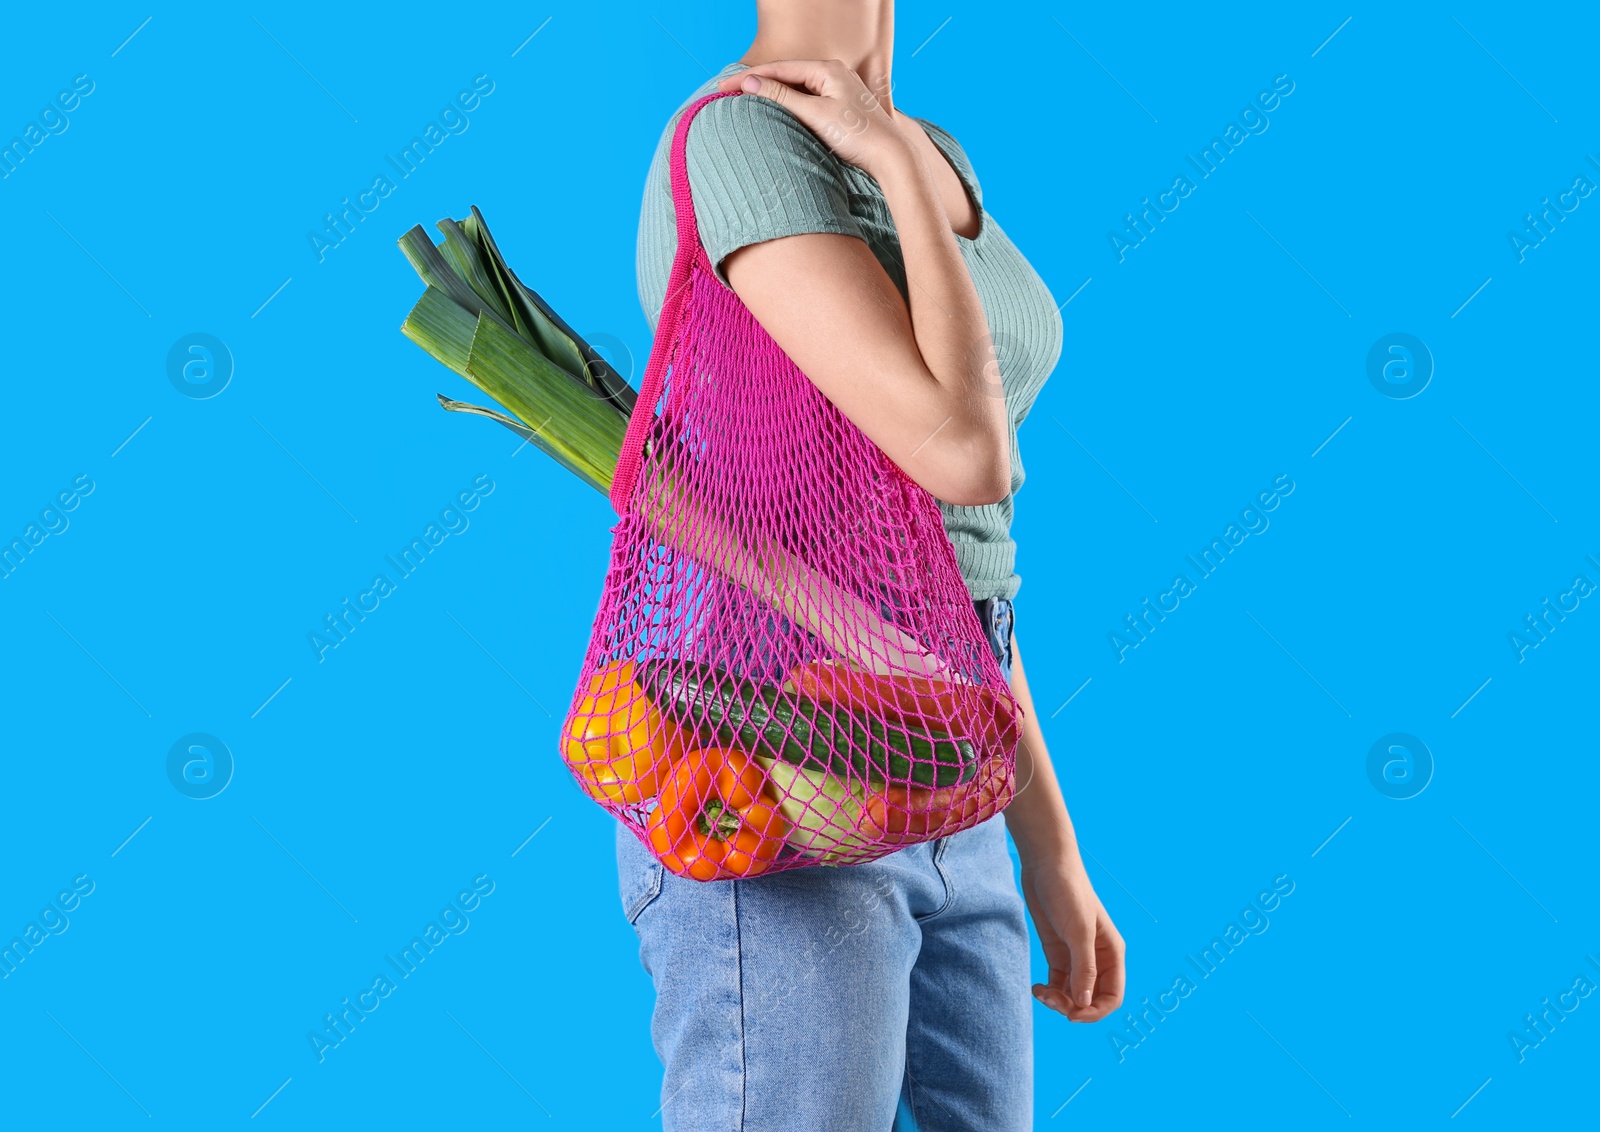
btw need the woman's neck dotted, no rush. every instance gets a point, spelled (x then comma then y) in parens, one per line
(859, 33)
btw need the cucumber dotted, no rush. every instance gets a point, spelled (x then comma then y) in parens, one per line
(764, 720)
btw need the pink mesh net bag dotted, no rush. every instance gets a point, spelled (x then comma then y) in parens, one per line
(785, 668)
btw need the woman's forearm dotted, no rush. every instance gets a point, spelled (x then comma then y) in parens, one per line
(1037, 816)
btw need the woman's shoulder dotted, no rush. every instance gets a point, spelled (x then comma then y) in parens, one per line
(757, 172)
(742, 127)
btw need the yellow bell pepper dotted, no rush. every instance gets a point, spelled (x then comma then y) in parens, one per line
(615, 741)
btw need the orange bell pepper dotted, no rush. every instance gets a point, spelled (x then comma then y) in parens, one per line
(923, 704)
(716, 818)
(616, 743)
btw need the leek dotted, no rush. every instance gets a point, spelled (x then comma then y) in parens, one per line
(479, 319)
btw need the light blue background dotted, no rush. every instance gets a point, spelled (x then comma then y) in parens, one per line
(1221, 753)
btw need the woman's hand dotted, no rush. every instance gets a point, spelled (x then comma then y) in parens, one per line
(1082, 946)
(832, 102)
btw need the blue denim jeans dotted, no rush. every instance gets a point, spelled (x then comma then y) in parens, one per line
(885, 996)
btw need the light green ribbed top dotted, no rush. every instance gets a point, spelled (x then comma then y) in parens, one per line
(757, 174)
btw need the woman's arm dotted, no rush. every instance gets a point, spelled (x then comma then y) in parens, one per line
(1082, 946)
(919, 382)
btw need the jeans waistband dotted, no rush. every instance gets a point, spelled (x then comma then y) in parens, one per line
(998, 617)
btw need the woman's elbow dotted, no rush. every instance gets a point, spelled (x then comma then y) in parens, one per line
(976, 490)
(970, 475)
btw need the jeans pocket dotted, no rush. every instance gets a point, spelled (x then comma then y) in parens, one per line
(640, 885)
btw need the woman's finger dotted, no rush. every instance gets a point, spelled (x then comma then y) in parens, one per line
(1081, 982)
(1053, 991)
(1053, 998)
(1113, 966)
(806, 76)
(784, 95)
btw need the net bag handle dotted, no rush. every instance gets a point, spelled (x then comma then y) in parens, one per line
(689, 255)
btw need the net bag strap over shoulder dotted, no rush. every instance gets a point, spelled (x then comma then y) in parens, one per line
(690, 254)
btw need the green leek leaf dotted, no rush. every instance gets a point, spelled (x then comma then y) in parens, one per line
(436, 271)
(584, 432)
(552, 342)
(533, 436)
(461, 253)
(442, 328)
(594, 367)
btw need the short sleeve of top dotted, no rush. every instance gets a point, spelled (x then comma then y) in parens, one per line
(756, 173)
